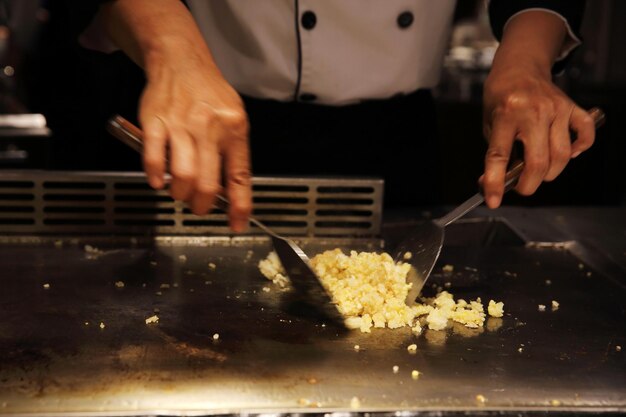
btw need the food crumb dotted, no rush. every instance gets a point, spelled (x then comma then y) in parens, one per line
(555, 403)
(417, 328)
(548, 282)
(541, 307)
(164, 286)
(153, 263)
(46, 286)
(415, 374)
(412, 348)
(448, 268)
(520, 350)
(159, 293)
(357, 347)
(304, 402)
(581, 266)
(355, 402)
(555, 305)
(407, 255)
(212, 266)
(182, 258)
(152, 319)
(119, 284)
(86, 323)
(447, 285)
(102, 326)
(175, 285)
(395, 369)
(216, 336)
(266, 289)
(618, 348)
(588, 273)
(481, 399)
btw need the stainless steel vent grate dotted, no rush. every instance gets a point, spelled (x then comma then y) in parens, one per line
(122, 203)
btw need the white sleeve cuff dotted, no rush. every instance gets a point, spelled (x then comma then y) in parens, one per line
(570, 42)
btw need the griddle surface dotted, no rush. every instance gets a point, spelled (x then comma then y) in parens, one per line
(54, 357)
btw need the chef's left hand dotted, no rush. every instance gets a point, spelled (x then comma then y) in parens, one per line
(521, 103)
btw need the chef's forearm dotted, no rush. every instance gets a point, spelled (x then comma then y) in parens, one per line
(153, 31)
(532, 40)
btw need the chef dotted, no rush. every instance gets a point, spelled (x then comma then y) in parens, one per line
(325, 86)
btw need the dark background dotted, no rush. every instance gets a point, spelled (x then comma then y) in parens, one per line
(77, 90)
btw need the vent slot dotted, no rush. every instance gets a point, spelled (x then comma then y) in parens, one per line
(146, 198)
(17, 209)
(280, 200)
(219, 223)
(346, 201)
(16, 197)
(72, 222)
(348, 190)
(16, 221)
(144, 222)
(17, 184)
(281, 188)
(354, 213)
(73, 197)
(73, 209)
(343, 224)
(145, 210)
(54, 185)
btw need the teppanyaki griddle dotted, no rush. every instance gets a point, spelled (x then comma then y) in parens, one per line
(55, 358)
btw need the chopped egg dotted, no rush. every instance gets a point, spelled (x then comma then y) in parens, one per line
(46, 286)
(618, 348)
(164, 286)
(212, 266)
(266, 289)
(481, 399)
(555, 403)
(370, 289)
(102, 326)
(119, 284)
(407, 255)
(216, 336)
(555, 305)
(395, 369)
(357, 347)
(355, 402)
(415, 374)
(541, 307)
(412, 348)
(495, 309)
(152, 319)
(448, 268)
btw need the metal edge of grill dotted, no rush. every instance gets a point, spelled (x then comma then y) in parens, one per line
(64, 202)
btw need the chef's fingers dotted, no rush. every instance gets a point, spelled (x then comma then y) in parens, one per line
(182, 162)
(206, 131)
(534, 132)
(560, 141)
(583, 125)
(501, 140)
(237, 169)
(154, 143)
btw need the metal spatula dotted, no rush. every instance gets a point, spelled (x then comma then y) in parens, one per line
(424, 243)
(312, 298)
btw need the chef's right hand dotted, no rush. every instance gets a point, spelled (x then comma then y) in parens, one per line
(188, 107)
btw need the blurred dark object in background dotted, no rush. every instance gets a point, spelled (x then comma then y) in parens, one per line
(24, 137)
(77, 90)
